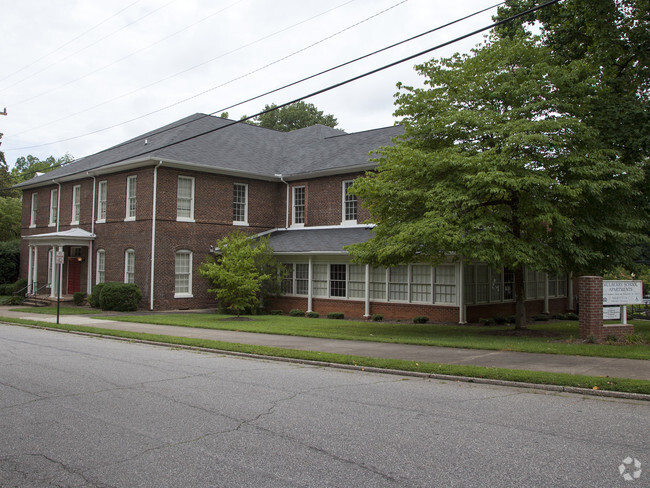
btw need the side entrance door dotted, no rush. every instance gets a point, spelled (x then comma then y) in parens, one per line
(74, 276)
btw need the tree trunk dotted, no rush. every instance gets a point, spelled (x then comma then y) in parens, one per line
(520, 299)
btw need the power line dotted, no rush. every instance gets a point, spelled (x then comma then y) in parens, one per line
(68, 42)
(170, 77)
(90, 45)
(263, 67)
(342, 83)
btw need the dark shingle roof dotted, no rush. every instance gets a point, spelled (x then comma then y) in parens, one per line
(310, 240)
(215, 143)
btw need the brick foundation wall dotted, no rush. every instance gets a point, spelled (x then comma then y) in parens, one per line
(533, 307)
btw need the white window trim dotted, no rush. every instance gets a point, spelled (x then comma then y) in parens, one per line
(343, 194)
(33, 210)
(54, 202)
(245, 221)
(126, 264)
(76, 203)
(191, 217)
(189, 294)
(128, 217)
(293, 206)
(104, 184)
(103, 253)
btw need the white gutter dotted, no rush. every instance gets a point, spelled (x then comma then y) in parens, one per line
(153, 233)
(58, 204)
(286, 221)
(89, 281)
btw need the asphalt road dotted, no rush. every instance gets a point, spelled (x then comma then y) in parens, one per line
(81, 411)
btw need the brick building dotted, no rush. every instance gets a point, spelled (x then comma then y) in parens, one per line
(149, 210)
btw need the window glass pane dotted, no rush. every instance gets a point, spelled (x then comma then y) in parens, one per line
(338, 280)
(398, 283)
(508, 284)
(357, 281)
(299, 205)
(131, 196)
(445, 291)
(302, 279)
(287, 281)
(378, 283)
(320, 280)
(482, 283)
(350, 202)
(239, 203)
(101, 208)
(469, 283)
(129, 275)
(101, 266)
(184, 197)
(183, 261)
(496, 285)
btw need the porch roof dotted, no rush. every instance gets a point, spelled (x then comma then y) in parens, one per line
(71, 237)
(317, 240)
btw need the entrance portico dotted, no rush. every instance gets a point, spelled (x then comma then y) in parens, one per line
(71, 244)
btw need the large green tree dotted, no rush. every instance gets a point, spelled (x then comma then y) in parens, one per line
(496, 165)
(295, 116)
(26, 167)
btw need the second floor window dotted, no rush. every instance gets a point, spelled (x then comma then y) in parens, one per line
(102, 202)
(349, 203)
(76, 204)
(299, 205)
(54, 202)
(130, 197)
(185, 198)
(129, 266)
(32, 218)
(240, 203)
(183, 278)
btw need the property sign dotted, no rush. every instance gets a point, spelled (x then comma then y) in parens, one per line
(611, 313)
(622, 292)
(59, 257)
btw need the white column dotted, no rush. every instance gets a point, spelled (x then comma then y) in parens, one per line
(545, 293)
(570, 292)
(30, 269)
(60, 280)
(309, 286)
(367, 312)
(53, 273)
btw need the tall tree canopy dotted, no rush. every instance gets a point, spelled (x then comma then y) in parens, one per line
(295, 116)
(497, 165)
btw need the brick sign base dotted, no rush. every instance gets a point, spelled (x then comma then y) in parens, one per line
(590, 298)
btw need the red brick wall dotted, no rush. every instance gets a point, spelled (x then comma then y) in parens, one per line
(324, 200)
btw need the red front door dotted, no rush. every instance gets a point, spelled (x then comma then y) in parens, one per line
(74, 276)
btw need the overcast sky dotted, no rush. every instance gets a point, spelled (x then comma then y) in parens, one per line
(80, 76)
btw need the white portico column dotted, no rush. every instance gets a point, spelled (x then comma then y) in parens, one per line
(310, 293)
(30, 268)
(53, 273)
(367, 312)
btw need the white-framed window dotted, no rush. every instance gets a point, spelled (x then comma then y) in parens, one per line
(131, 187)
(101, 266)
(102, 201)
(445, 284)
(129, 266)
(557, 285)
(398, 283)
(287, 280)
(298, 218)
(349, 204)
(338, 280)
(240, 204)
(54, 205)
(76, 204)
(302, 279)
(357, 280)
(183, 274)
(483, 284)
(420, 283)
(32, 215)
(319, 280)
(378, 283)
(185, 199)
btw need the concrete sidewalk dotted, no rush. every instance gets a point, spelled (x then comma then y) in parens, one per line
(554, 363)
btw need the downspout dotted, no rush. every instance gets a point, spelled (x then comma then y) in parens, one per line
(58, 204)
(89, 285)
(153, 233)
(286, 221)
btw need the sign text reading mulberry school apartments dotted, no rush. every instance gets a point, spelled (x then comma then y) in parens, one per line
(622, 292)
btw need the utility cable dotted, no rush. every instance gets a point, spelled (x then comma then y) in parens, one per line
(342, 83)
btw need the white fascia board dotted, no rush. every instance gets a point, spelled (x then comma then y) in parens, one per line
(330, 172)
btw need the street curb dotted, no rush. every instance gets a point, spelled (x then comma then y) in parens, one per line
(368, 369)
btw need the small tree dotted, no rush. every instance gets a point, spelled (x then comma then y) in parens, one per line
(243, 273)
(295, 116)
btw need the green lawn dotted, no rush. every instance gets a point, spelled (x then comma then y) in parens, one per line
(543, 337)
(536, 377)
(63, 310)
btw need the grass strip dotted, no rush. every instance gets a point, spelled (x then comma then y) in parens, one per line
(547, 338)
(63, 310)
(535, 377)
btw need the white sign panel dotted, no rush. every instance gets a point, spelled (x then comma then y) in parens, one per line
(622, 292)
(59, 257)
(611, 313)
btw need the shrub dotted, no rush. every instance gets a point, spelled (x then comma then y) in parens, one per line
(559, 316)
(511, 319)
(276, 312)
(122, 297)
(93, 298)
(500, 320)
(313, 315)
(420, 319)
(485, 321)
(11, 300)
(20, 287)
(9, 261)
(6, 289)
(377, 317)
(540, 317)
(571, 316)
(78, 298)
(335, 315)
(296, 312)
